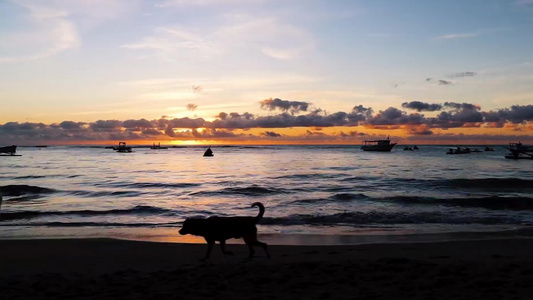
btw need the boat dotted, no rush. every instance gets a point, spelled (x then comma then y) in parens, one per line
(408, 148)
(208, 152)
(458, 150)
(10, 150)
(415, 148)
(122, 148)
(519, 151)
(487, 148)
(378, 145)
(157, 147)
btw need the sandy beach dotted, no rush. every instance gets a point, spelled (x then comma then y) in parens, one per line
(120, 269)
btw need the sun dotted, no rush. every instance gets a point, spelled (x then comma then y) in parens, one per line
(185, 142)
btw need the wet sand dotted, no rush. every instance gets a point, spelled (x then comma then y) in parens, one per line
(119, 269)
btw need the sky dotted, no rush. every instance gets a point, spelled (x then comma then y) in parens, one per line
(265, 71)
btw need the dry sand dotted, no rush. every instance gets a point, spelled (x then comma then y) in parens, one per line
(118, 269)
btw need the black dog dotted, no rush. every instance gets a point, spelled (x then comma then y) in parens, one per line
(223, 228)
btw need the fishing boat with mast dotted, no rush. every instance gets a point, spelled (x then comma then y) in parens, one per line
(9, 150)
(122, 148)
(519, 151)
(157, 147)
(378, 145)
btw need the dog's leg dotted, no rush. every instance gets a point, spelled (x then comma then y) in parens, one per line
(210, 244)
(249, 240)
(223, 247)
(251, 250)
(264, 246)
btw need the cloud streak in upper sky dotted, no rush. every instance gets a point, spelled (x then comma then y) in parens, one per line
(232, 34)
(454, 36)
(55, 34)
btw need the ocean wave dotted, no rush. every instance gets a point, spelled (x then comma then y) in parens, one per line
(146, 185)
(95, 224)
(137, 210)
(353, 218)
(387, 218)
(97, 194)
(360, 178)
(19, 190)
(31, 177)
(25, 198)
(247, 191)
(159, 185)
(493, 183)
(491, 202)
(310, 176)
(339, 197)
(475, 183)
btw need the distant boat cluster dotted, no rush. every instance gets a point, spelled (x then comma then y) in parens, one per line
(123, 148)
(462, 150)
(410, 149)
(516, 150)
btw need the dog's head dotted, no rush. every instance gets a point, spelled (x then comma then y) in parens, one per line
(185, 228)
(193, 226)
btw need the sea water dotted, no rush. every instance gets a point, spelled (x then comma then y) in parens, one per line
(88, 191)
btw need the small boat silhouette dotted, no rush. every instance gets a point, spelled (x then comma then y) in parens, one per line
(10, 150)
(208, 152)
(157, 147)
(122, 148)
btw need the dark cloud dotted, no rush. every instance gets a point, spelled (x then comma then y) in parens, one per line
(516, 114)
(186, 123)
(212, 133)
(359, 114)
(316, 118)
(422, 106)
(151, 131)
(270, 134)
(142, 123)
(352, 134)
(16, 126)
(457, 115)
(461, 106)
(419, 130)
(70, 125)
(106, 125)
(439, 81)
(284, 105)
(453, 115)
(394, 116)
(461, 115)
(463, 74)
(197, 89)
(314, 133)
(191, 107)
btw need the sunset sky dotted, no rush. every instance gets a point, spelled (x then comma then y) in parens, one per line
(265, 71)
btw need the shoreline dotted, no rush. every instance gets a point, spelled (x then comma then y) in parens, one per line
(280, 239)
(119, 269)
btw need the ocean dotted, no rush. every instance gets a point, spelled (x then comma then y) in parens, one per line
(311, 193)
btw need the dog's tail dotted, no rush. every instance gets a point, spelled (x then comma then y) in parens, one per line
(261, 211)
